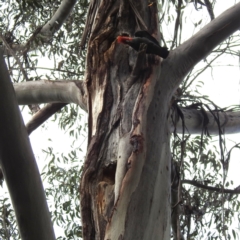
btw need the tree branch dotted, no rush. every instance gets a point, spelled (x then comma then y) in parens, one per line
(194, 121)
(209, 8)
(57, 20)
(49, 29)
(42, 115)
(177, 23)
(46, 91)
(66, 92)
(182, 59)
(215, 189)
(34, 108)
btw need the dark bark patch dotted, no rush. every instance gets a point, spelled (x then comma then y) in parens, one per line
(109, 173)
(137, 143)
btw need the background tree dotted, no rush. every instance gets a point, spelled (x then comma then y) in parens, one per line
(134, 104)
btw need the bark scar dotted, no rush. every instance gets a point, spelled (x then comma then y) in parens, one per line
(137, 143)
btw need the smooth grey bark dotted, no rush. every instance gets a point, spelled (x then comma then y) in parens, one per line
(195, 122)
(19, 167)
(46, 91)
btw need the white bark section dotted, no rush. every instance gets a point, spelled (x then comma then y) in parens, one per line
(46, 91)
(124, 152)
(229, 122)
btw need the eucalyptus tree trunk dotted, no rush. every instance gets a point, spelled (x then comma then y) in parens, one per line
(125, 185)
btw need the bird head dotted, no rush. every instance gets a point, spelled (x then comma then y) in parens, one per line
(124, 39)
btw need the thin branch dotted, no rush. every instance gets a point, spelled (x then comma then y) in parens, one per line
(12, 53)
(215, 189)
(34, 108)
(210, 9)
(177, 23)
(41, 116)
(202, 70)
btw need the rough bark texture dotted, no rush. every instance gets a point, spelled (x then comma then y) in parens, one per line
(125, 186)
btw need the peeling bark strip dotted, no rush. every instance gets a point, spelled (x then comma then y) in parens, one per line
(124, 102)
